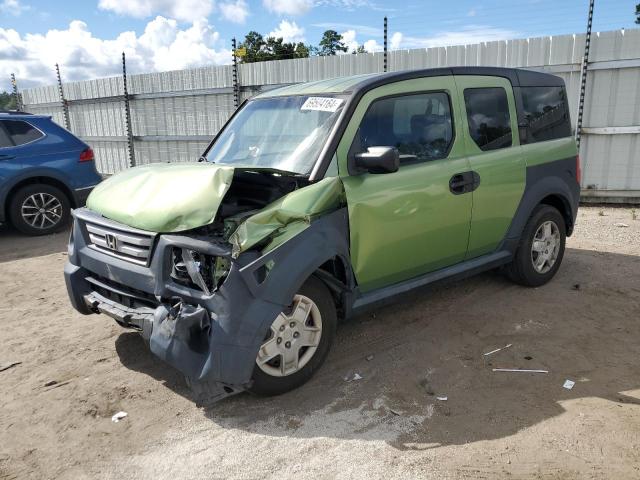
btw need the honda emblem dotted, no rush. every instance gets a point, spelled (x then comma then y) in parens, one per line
(111, 241)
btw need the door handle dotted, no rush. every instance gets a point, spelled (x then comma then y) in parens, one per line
(458, 184)
(464, 182)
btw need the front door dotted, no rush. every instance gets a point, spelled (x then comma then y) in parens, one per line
(415, 220)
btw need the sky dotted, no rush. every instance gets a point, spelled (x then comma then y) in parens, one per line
(87, 37)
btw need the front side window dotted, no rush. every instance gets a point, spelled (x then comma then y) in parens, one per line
(488, 117)
(21, 132)
(283, 133)
(546, 112)
(418, 125)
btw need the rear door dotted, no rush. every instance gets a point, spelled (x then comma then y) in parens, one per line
(495, 156)
(9, 161)
(409, 222)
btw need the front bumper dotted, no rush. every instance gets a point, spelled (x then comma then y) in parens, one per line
(212, 339)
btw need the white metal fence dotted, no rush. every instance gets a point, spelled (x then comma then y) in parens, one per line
(174, 114)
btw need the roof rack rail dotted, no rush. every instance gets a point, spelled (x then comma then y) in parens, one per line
(14, 112)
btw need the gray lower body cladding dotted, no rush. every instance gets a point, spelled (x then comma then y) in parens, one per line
(212, 339)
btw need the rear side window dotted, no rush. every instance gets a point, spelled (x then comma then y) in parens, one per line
(418, 125)
(21, 132)
(488, 117)
(546, 112)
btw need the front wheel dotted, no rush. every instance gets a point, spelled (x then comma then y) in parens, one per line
(541, 248)
(298, 341)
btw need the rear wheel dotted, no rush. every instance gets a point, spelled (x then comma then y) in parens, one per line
(541, 248)
(39, 209)
(297, 342)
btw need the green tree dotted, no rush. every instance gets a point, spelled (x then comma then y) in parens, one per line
(360, 49)
(7, 101)
(331, 43)
(259, 49)
(638, 14)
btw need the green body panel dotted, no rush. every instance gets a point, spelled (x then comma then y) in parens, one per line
(288, 216)
(406, 223)
(549, 151)
(163, 197)
(332, 85)
(502, 175)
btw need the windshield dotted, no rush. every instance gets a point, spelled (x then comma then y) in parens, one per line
(283, 133)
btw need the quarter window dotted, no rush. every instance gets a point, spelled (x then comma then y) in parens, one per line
(546, 112)
(488, 117)
(418, 125)
(21, 132)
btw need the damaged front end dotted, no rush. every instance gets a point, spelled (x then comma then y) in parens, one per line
(204, 284)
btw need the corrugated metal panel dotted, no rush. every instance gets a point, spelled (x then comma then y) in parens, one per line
(610, 162)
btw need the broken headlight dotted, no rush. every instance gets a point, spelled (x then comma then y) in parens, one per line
(198, 270)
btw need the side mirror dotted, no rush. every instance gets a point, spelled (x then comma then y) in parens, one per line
(378, 160)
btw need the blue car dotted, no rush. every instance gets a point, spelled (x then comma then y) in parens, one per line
(45, 171)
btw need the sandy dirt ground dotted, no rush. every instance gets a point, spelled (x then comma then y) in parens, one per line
(76, 372)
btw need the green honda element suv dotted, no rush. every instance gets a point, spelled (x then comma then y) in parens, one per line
(318, 200)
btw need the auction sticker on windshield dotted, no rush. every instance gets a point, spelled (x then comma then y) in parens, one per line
(322, 104)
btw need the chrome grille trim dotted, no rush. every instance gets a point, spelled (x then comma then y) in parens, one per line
(129, 246)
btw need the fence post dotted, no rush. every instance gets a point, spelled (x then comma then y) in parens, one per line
(65, 105)
(16, 94)
(236, 87)
(583, 74)
(127, 113)
(385, 44)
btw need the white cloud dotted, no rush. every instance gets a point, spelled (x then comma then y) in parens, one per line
(463, 36)
(183, 10)
(396, 41)
(289, 32)
(288, 7)
(236, 12)
(13, 7)
(349, 38)
(162, 46)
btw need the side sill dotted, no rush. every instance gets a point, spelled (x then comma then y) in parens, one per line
(454, 272)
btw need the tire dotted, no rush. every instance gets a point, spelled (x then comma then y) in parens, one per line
(33, 221)
(276, 380)
(523, 269)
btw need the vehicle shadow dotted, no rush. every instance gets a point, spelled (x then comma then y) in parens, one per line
(15, 245)
(582, 326)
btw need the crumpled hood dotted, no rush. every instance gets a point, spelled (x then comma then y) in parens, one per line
(163, 197)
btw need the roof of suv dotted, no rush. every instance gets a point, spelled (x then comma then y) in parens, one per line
(359, 83)
(13, 114)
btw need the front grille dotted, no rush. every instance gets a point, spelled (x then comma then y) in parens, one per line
(130, 246)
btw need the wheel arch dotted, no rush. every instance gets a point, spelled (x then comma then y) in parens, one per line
(551, 191)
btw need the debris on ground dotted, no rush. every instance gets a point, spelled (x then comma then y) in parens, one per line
(9, 365)
(369, 358)
(50, 383)
(395, 412)
(528, 357)
(118, 416)
(576, 286)
(497, 350)
(442, 398)
(349, 378)
(524, 370)
(568, 384)
(620, 224)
